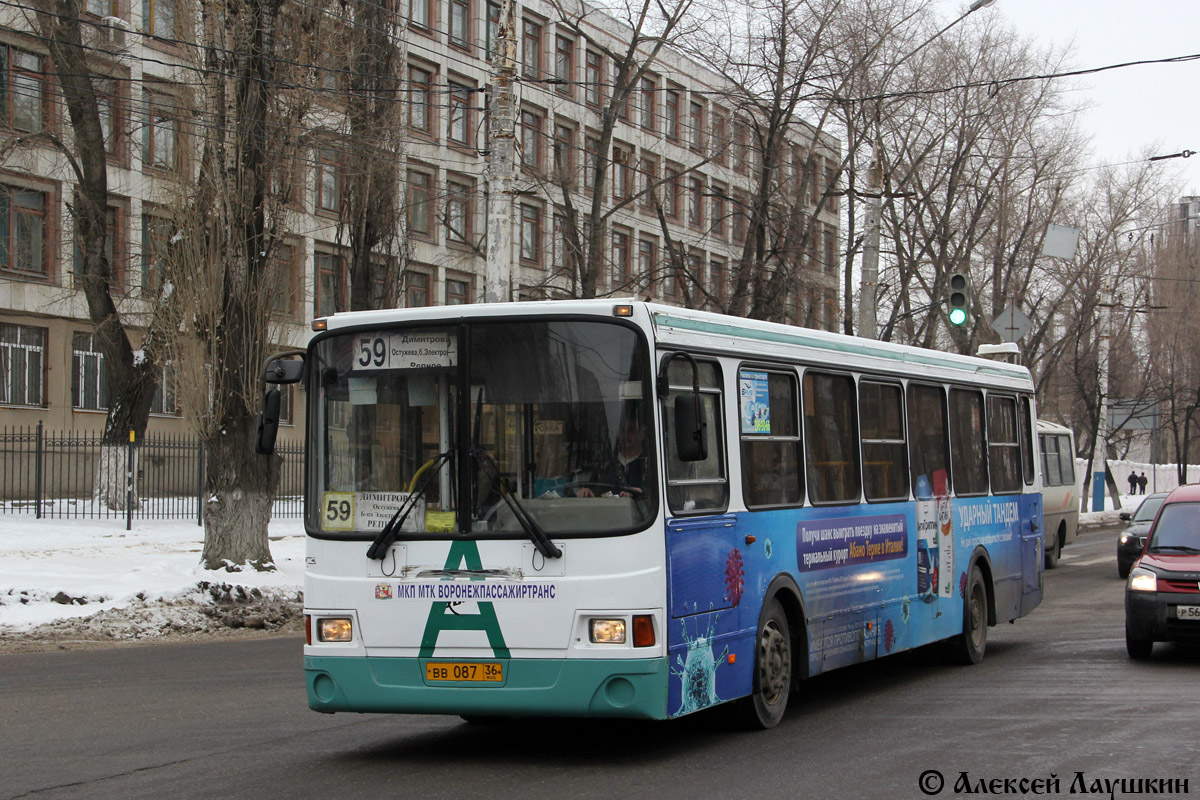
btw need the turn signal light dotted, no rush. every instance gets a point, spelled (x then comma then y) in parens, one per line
(643, 630)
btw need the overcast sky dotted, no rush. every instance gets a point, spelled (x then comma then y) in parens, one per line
(1153, 105)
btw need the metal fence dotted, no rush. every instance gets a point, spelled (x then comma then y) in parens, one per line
(53, 474)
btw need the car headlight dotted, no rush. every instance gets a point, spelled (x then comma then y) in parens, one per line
(1124, 538)
(1143, 580)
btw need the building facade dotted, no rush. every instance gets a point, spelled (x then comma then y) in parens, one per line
(682, 168)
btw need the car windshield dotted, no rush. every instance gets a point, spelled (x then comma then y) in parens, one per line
(1148, 508)
(500, 428)
(1177, 528)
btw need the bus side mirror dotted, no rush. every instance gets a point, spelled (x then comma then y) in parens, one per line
(691, 429)
(268, 423)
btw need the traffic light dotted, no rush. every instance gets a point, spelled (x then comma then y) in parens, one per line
(958, 301)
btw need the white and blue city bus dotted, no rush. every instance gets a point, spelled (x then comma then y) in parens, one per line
(611, 508)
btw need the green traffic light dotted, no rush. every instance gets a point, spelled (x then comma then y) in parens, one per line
(958, 316)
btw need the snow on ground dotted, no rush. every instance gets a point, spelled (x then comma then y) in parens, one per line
(90, 579)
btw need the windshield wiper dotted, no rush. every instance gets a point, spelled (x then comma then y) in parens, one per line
(541, 540)
(383, 542)
(1183, 548)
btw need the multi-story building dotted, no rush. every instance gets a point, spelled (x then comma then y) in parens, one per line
(678, 147)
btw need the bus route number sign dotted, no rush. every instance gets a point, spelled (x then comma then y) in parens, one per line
(399, 350)
(469, 671)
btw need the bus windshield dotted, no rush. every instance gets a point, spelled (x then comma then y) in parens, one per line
(483, 423)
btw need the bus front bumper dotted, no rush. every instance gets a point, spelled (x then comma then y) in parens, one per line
(634, 688)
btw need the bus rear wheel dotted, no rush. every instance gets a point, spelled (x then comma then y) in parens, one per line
(772, 669)
(969, 646)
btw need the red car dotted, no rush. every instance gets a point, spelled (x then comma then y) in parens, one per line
(1162, 596)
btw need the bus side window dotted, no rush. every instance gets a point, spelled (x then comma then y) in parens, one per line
(695, 487)
(928, 430)
(1050, 461)
(831, 430)
(1026, 425)
(884, 450)
(1066, 455)
(1004, 451)
(770, 438)
(968, 442)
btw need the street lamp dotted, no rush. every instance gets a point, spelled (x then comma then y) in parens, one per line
(868, 318)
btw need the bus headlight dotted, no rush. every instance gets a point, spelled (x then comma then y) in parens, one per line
(607, 631)
(335, 629)
(1143, 580)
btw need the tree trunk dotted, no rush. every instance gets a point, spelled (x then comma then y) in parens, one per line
(240, 485)
(115, 486)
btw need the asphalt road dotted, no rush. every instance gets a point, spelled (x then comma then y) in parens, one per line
(1056, 697)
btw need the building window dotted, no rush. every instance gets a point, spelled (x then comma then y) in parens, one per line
(460, 23)
(458, 129)
(111, 104)
(531, 49)
(647, 256)
(716, 279)
(620, 259)
(328, 180)
(671, 114)
(591, 159)
(23, 99)
(23, 231)
(160, 138)
(593, 78)
(330, 296)
(738, 146)
(670, 191)
(420, 204)
(531, 140)
(648, 173)
(103, 8)
(160, 18)
(622, 172)
(22, 365)
(416, 292)
(166, 394)
(564, 64)
(531, 233)
(420, 109)
(696, 123)
(458, 212)
(740, 217)
(458, 292)
(647, 102)
(421, 13)
(719, 209)
(89, 374)
(493, 28)
(156, 238)
(720, 143)
(564, 145)
(695, 201)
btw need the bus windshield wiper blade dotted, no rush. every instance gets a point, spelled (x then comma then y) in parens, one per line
(541, 539)
(383, 542)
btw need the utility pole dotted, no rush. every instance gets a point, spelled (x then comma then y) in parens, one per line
(867, 317)
(1100, 453)
(501, 161)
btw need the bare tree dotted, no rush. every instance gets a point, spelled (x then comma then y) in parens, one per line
(231, 223)
(133, 373)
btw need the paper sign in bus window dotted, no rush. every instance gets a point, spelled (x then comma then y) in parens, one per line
(754, 389)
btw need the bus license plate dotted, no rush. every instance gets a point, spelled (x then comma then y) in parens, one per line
(470, 671)
(1187, 612)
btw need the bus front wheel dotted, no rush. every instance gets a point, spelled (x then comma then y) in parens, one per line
(772, 669)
